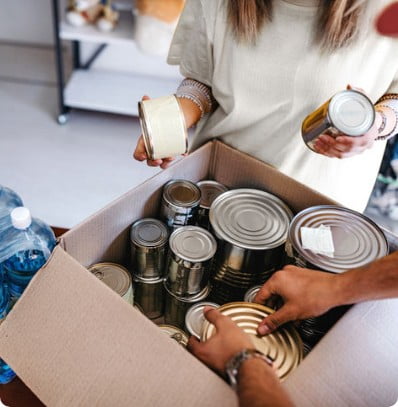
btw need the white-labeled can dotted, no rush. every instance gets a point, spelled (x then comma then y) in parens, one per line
(115, 277)
(163, 127)
(349, 112)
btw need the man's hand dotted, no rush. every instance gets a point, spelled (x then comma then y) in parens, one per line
(305, 293)
(228, 340)
(140, 153)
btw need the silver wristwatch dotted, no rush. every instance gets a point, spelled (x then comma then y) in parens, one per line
(233, 365)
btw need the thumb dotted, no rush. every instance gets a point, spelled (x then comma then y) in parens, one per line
(275, 320)
(145, 97)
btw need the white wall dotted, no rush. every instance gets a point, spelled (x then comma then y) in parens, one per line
(28, 21)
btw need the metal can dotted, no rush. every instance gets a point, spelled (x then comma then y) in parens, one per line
(209, 190)
(252, 227)
(349, 112)
(177, 334)
(191, 251)
(312, 330)
(356, 240)
(180, 203)
(163, 127)
(149, 296)
(176, 307)
(194, 318)
(283, 346)
(274, 302)
(115, 277)
(148, 239)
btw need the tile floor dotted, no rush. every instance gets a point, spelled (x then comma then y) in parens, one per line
(65, 173)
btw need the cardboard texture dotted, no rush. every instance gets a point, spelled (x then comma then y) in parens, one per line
(75, 342)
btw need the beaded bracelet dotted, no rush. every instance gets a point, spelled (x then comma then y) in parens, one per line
(390, 101)
(198, 93)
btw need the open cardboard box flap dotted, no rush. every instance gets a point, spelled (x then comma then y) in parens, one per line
(74, 342)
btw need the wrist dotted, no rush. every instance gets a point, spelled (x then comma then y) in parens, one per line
(236, 363)
(191, 111)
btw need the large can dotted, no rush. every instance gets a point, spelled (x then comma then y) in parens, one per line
(148, 238)
(209, 190)
(334, 239)
(163, 127)
(115, 277)
(252, 227)
(349, 112)
(283, 346)
(194, 318)
(191, 251)
(149, 295)
(180, 203)
(176, 306)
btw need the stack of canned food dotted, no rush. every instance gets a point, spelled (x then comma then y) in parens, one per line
(148, 241)
(216, 244)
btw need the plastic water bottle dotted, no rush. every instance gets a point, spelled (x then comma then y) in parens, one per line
(24, 248)
(9, 200)
(6, 373)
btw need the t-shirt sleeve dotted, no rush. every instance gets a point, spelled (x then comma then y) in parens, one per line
(191, 47)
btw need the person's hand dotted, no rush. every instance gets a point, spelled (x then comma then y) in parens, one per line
(306, 293)
(140, 153)
(344, 146)
(228, 340)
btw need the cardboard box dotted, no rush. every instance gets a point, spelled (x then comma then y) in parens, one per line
(74, 342)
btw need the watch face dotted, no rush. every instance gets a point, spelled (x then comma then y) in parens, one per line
(283, 346)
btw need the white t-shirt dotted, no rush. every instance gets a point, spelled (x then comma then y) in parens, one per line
(265, 91)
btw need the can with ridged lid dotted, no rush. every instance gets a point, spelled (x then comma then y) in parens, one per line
(283, 346)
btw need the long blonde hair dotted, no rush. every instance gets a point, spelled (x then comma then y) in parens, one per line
(338, 20)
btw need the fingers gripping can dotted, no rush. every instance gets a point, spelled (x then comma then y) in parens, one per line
(349, 112)
(163, 127)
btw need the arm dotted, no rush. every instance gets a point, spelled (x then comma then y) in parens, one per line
(343, 146)
(308, 293)
(258, 384)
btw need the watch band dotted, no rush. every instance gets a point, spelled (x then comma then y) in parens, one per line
(233, 365)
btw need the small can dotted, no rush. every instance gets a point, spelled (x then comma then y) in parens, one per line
(175, 333)
(194, 318)
(355, 239)
(349, 112)
(148, 238)
(163, 127)
(283, 346)
(209, 190)
(149, 296)
(191, 251)
(274, 302)
(180, 203)
(176, 307)
(115, 277)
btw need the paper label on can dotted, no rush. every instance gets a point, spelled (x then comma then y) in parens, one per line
(319, 240)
